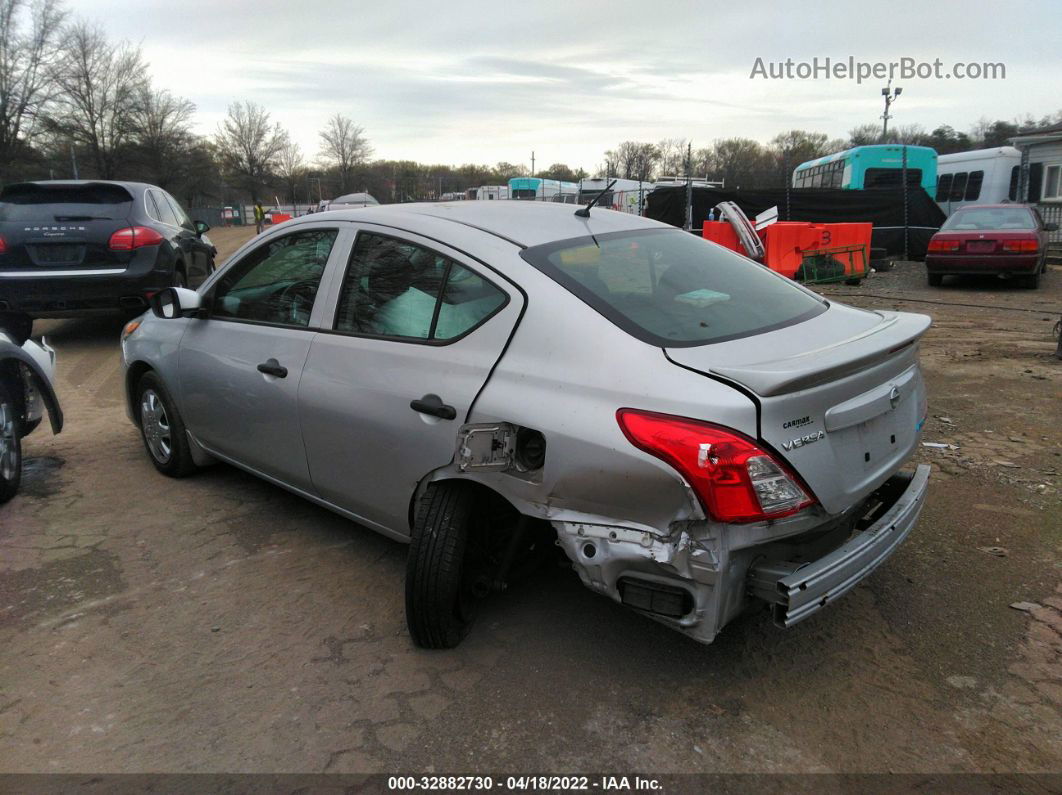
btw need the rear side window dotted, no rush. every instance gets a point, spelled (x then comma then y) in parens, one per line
(958, 187)
(48, 203)
(397, 289)
(670, 288)
(165, 212)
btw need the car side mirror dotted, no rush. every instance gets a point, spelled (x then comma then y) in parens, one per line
(173, 302)
(201, 228)
(1051, 227)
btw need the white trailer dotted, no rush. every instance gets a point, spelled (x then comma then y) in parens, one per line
(981, 176)
(626, 196)
(492, 192)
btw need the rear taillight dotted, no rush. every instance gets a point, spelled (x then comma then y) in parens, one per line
(1027, 246)
(943, 245)
(3, 245)
(735, 480)
(133, 237)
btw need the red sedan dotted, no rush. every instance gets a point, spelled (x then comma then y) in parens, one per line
(1004, 240)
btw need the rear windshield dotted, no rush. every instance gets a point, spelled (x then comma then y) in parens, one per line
(47, 203)
(990, 218)
(672, 289)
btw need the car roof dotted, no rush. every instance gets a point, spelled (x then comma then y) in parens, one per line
(523, 223)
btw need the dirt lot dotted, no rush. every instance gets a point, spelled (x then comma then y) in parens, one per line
(220, 624)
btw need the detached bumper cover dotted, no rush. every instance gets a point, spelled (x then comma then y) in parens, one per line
(797, 590)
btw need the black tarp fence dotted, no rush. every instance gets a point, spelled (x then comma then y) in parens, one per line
(882, 207)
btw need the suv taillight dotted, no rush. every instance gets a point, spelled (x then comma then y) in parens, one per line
(735, 480)
(3, 245)
(1026, 246)
(133, 237)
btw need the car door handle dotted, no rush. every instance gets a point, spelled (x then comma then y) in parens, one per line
(433, 405)
(273, 367)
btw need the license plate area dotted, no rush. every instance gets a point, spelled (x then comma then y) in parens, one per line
(57, 254)
(981, 246)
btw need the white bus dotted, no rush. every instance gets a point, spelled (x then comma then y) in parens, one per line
(982, 176)
(627, 195)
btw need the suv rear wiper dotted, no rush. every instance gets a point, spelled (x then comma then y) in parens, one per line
(68, 218)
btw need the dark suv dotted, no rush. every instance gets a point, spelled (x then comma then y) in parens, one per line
(86, 247)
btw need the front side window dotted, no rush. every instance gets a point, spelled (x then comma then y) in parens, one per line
(958, 187)
(179, 213)
(277, 282)
(397, 289)
(669, 288)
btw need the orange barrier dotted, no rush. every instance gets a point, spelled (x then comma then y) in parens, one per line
(790, 244)
(279, 218)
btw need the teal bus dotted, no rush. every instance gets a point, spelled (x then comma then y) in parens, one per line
(864, 167)
(543, 190)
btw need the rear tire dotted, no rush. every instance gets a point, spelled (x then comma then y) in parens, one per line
(162, 428)
(10, 444)
(443, 566)
(179, 279)
(935, 279)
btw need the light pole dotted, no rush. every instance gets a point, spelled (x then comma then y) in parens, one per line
(890, 97)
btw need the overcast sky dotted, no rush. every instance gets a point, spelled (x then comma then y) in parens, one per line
(476, 81)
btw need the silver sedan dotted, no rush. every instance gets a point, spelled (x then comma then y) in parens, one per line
(487, 381)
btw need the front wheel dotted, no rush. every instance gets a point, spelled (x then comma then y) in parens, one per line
(10, 445)
(162, 429)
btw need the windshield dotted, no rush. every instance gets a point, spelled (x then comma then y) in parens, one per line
(30, 202)
(670, 288)
(990, 218)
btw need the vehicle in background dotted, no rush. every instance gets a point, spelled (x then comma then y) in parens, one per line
(680, 182)
(543, 190)
(86, 247)
(350, 200)
(489, 381)
(492, 192)
(865, 167)
(980, 176)
(27, 374)
(1005, 240)
(626, 195)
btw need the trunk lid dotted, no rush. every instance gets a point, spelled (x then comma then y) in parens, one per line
(62, 226)
(841, 398)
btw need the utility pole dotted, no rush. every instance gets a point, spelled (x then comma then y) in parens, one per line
(532, 163)
(73, 161)
(890, 97)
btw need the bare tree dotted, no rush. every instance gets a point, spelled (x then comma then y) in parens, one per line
(344, 146)
(161, 122)
(26, 57)
(98, 84)
(249, 145)
(672, 156)
(290, 166)
(636, 160)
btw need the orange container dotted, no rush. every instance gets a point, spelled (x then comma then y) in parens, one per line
(722, 233)
(785, 243)
(279, 218)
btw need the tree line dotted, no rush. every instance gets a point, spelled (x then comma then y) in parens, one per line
(75, 103)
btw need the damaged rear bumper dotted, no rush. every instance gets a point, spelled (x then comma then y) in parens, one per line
(702, 575)
(797, 589)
